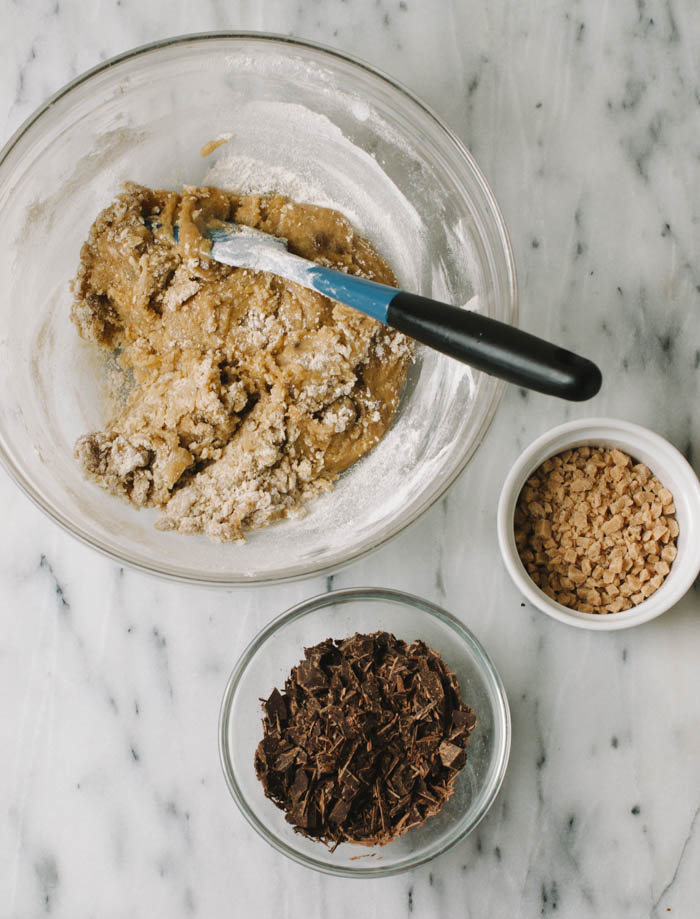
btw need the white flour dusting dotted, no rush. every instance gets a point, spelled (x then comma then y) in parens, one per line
(284, 147)
(245, 175)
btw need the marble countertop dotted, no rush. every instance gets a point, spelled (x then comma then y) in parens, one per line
(584, 117)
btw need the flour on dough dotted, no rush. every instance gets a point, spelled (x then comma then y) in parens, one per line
(250, 393)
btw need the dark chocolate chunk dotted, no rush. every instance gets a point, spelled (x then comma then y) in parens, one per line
(366, 740)
(275, 707)
(450, 753)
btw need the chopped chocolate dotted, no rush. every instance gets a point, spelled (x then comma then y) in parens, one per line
(366, 740)
(275, 706)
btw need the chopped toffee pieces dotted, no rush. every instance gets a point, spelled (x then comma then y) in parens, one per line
(595, 531)
(366, 740)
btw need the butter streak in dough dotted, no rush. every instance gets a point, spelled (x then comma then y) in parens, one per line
(250, 394)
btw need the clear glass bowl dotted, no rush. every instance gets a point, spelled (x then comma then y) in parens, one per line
(350, 136)
(266, 663)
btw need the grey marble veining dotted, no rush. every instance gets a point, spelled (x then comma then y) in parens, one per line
(584, 116)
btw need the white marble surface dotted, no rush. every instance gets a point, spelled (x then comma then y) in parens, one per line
(584, 116)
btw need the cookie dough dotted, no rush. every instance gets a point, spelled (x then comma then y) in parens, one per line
(248, 394)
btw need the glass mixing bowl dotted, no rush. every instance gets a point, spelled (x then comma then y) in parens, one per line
(328, 129)
(266, 663)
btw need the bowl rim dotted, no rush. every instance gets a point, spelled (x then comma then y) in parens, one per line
(347, 595)
(629, 435)
(223, 579)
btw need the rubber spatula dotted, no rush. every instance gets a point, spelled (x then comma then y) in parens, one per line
(494, 347)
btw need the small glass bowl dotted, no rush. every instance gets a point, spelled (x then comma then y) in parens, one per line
(266, 663)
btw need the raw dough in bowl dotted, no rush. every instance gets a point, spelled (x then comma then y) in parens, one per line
(250, 394)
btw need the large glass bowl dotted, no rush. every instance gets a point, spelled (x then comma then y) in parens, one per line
(329, 129)
(266, 663)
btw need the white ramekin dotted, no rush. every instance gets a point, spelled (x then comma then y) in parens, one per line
(667, 464)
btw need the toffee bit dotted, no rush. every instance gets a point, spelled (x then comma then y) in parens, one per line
(366, 741)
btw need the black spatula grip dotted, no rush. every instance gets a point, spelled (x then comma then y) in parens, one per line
(495, 347)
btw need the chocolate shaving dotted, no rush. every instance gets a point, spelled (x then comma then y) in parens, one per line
(366, 740)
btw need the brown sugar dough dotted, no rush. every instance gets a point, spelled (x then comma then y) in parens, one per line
(250, 393)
